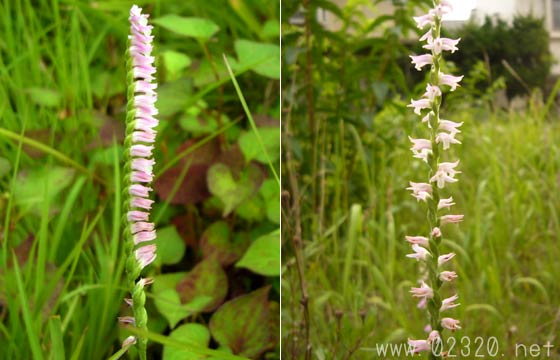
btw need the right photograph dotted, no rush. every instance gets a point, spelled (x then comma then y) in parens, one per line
(420, 179)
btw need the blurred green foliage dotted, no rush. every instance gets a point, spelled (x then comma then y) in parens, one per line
(518, 51)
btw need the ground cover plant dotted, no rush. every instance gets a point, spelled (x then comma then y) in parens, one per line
(216, 189)
(345, 284)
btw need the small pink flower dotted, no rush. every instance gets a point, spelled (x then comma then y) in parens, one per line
(145, 255)
(424, 20)
(421, 148)
(138, 150)
(427, 36)
(446, 139)
(419, 105)
(127, 320)
(422, 303)
(445, 173)
(449, 80)
(449, 303)
(136, 215)
(445, 203)
(432, 91)
(428, 328)
(420, 253)
(424, 291)
(129, 341)
(421, 191)
(138, 202)
(442, 44)
(418, 240)
(419, 345)
(143, 236)
(144, 136)
(141, 226)
(142, 164)
(448, 276)
(139, 190)
(445, 258)
(449, 126)
(450, 324)
(436, 232)
(451, 219)
(434, 336)
(141, 176)
(422, 60)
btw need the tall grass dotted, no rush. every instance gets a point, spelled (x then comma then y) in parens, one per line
(507, 247)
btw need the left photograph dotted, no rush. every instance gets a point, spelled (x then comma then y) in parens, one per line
(140, 195)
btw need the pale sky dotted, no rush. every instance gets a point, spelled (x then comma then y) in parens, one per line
(461, 10)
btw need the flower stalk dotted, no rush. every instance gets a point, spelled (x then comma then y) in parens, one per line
(139, 233)
(440, 174)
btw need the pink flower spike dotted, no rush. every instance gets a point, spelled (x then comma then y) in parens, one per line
(136, 215)
(436, 232)
(449, 303)
(418, 240)
(446, 139)
(451, 219)
(448, 276)
(445, 258)
(419, 105)
(422, 60)
(420, 253)
(424, 291)
(145, 255)
(450, 324)
(449, 80)
(419, 345)
(139, 190)
(143, 236)
(445, 203)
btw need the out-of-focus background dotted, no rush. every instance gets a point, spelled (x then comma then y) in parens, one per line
(347, 79)
(62, 102)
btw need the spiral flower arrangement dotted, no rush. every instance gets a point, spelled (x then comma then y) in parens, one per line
(442, 134)
(139, 233)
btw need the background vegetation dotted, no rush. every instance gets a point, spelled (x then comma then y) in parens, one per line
(346, 163)
(62, 97)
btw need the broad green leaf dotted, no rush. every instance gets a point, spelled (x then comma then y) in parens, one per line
(44, 97)
(271, 29)
(243, 324)
(217, 242)
(198, 126)
(230, 191)
(193, 333)
(207, 279)
(170, 246)
(252, 149)
(175, 62)
(262, 58)
(168, 303)
(36, 186)
(194, 27)
(173, 97)
(251, 209)
(263, 256)
(270, 191)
